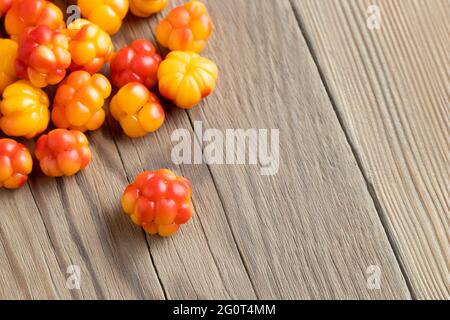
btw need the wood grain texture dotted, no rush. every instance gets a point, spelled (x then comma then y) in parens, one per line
(29, 268)
(84, 221)
(309, 231)
(202, 261)
(391, 91)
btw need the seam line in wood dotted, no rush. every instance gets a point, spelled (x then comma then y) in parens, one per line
(47, 233)
(370, 189)
(145, 237)
(241, 256)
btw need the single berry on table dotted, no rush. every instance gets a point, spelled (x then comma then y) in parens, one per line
(43, 56)
(138, 62)
(186, 28)
(15, 164)
(90, 47)
(24, 110)
(158, 201)
(186, 78)
(137, 110)
(79, 101)
(62, 152)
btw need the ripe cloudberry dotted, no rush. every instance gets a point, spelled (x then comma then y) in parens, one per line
(62, 152)
(15, 164)
(158, 201)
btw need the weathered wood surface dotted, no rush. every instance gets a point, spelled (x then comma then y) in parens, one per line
(391, 90)
(310, 231)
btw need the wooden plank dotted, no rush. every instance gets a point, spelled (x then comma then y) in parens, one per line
(29, 268)
(78, 222)
(202, 261)
(84, 221)
(312, 230)
(85, 224)
(390, 88)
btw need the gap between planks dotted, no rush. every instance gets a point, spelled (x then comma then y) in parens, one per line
(352, 146)
(389, 89)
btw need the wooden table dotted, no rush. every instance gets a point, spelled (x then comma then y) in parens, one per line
(362, 188)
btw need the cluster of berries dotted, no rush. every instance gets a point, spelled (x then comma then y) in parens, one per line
(42, 51)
